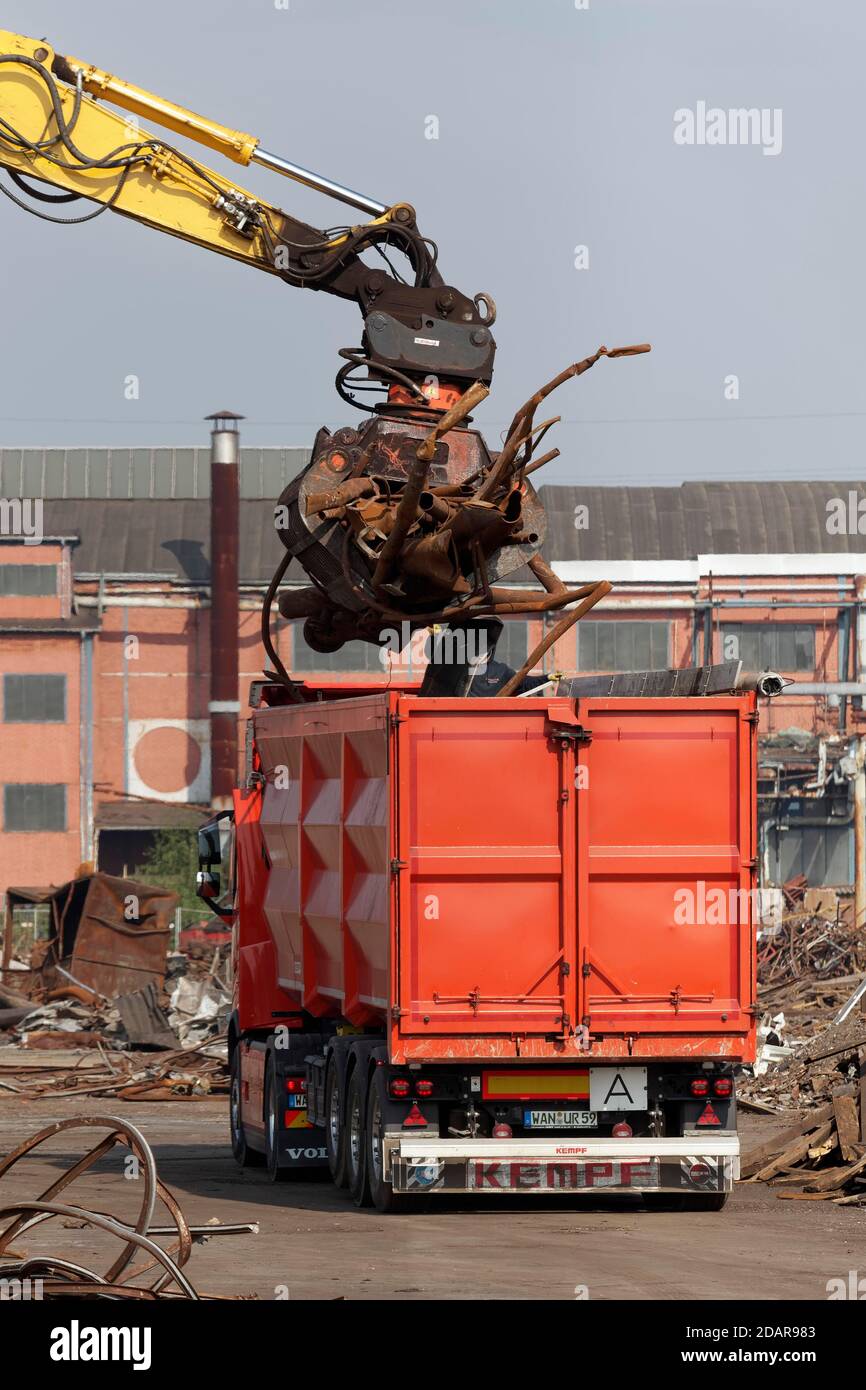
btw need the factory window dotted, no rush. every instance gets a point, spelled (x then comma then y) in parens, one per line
(622, 646)
(352, 656)
(769, 646)
(34, 806)
(34, 699)
(27, 581)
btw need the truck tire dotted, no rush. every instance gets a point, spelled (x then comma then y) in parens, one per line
(356, 1139)
(383, 1196)
(707, 1201)
(244, 1156)
(272, 1122)
(335, 1128)
(664, 1201)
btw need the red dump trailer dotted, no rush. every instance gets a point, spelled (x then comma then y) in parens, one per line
(494, 945)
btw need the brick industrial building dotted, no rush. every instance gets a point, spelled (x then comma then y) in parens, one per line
(104, 642)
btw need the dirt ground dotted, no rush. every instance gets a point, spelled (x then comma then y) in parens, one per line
(314, 1244)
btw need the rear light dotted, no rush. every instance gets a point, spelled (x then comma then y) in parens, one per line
(502, 1131)
(723, 1086)
(415, 1119)
(398, 1086)
(700, 1086)
(294, 1084)
(423, 1088)
(622, 1130)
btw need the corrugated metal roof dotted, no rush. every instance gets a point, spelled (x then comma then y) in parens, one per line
(163, 537)
(172, 536)
(151, 473)
(713, 518)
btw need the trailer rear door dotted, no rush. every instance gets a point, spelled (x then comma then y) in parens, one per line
(486, 871)
(666, 858)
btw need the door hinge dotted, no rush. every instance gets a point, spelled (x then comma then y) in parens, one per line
(565, 967)
(397, 1012)
(586, 970)
(397, 865)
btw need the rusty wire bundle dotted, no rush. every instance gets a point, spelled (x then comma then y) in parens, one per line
(63, 1278)
(809, 946)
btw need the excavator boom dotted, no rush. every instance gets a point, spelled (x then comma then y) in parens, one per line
(407, 518)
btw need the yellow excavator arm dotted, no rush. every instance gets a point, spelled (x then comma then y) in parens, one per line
(108, 158)
(57, 128)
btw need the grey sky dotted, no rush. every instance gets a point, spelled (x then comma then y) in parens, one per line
(556, 129)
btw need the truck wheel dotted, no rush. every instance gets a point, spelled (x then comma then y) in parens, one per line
(272, 1128)
(707, 1201)
(356, 1140)
(244, 1156)
(335, 1129)
(664, 1201)
(384, 1197)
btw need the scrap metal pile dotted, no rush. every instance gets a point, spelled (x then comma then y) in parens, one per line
(399, 522)
(812, 1053)
(811, 967)
(59, 1272)
(193, 1073)
(100, 1007)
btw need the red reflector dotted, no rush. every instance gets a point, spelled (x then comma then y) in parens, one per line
(415, 1118)
(398, 1086)
(709, 1116)
(423, 1088)
(700, 1086)
(723, 1086)
(295, 1084)
(502, 1131)
(699, 1172)
(622, 1130)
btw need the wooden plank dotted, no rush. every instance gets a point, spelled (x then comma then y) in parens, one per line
(805, 1196)
(847, 1126)
(755, 1158)
(822, 1150)
(861, 1057)
(796, 1153)
(836, 1177)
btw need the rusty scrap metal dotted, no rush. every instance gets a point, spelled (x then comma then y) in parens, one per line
(200, 1071)
(109, 935)
(398, 521)
(64, 1278)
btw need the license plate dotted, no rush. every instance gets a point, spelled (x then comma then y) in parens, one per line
(560, 1119)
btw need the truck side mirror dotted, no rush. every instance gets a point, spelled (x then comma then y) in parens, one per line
(210, 854)
(209, 844)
